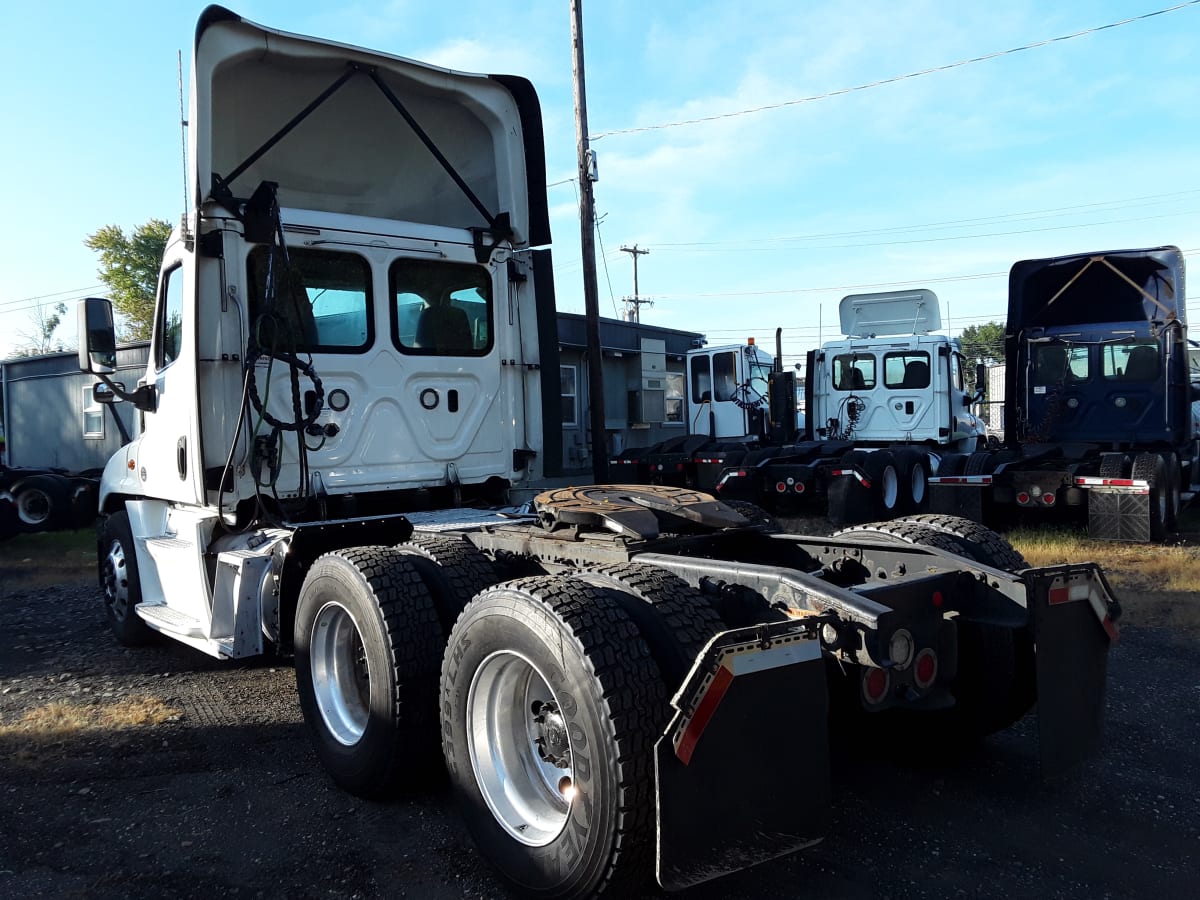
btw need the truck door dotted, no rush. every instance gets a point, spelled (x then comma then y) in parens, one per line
(168, 454)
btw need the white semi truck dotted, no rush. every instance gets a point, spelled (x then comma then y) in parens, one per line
(883, 404)
(349, 362)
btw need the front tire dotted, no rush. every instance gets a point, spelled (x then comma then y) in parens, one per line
(119, 581)
(368, 646)
(550, 707)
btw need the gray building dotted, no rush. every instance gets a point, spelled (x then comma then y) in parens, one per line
(50, 419)
(644, 369)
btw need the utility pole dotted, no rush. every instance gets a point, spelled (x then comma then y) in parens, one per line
(587, 241)
(634, 303)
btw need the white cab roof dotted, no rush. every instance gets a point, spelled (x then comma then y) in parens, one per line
(889, 313)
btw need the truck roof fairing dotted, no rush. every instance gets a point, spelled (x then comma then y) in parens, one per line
(890, 313)
(1095, 288)
(338, 128)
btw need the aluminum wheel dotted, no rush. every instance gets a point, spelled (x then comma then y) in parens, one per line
(520, 750)
(116, 581)
(917, 484)
(340, 675)
(889, 487)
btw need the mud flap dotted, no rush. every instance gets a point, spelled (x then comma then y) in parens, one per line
(1074, 625)
(743, 769)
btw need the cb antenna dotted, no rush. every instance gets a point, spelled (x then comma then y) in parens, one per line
(183, 124)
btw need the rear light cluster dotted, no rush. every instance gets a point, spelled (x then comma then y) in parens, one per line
(1034, 495)
(782, 487)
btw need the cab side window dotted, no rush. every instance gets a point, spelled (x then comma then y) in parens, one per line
(168, 325)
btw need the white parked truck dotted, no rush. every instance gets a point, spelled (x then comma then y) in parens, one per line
(348, 365)
(883, 404)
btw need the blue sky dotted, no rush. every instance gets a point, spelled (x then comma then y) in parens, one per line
(752, 221)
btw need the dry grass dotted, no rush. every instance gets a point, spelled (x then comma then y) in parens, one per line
(1163, 567)
(42, 728)
(31, 561)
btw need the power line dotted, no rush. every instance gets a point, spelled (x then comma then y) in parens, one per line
(32, 301)
(1027, 215)
(895, 78)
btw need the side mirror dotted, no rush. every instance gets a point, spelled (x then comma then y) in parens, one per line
(97, 337)
(106, 395)
(981, 380)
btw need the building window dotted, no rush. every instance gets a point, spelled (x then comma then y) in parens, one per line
(569, 377)
(93, 415)
(674, 401)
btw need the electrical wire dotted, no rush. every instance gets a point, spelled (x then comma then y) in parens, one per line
(895, 78)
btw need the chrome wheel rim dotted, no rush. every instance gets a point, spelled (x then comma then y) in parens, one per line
(918, 484)
(889, 487)
(116, 581)
(520, 748)
(341, 676)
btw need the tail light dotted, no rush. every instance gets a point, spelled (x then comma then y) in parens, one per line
(925, 669)
(780, 487)
(1023, 498)
(875, 685)
(799, 487)
(1048, 498)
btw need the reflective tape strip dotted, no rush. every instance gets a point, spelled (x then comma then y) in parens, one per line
(708, 704)
(961, 479)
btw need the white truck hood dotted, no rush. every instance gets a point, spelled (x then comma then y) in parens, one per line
(889, 313)
(355, 153)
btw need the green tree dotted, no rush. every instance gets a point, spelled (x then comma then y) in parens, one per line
(982, 344)
(129, 267)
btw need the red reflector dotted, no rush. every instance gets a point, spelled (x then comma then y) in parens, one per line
(780, 487)
(1022, 498)
(925, 670)
(1048, 498)
(875, 684)
(866, 482)
(938, 599)
(741, 473)
(799, 487)
(1059, 595)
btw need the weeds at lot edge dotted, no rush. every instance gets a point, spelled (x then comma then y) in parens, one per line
(1158, 567)
(43, 728)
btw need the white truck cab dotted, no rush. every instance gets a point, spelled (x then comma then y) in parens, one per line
(889, 379)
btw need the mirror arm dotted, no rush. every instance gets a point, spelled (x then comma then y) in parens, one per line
(144, 398)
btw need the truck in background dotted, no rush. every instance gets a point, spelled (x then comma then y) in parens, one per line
(1098, 403)
(882, 405)
(353, 343)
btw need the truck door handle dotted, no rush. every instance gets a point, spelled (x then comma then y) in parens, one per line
(181, 457)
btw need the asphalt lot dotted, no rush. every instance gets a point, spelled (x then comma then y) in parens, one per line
(222, 795)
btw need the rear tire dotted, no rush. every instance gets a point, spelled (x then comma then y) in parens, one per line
(913, 465)
(675, 620)
(42, 502)
(368, 649)
(550, 704)
(119, 581)
(885, 483)
(453, 569)
(1150, 467)
(756, 515)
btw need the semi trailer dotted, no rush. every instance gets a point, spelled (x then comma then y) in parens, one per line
(352, 366)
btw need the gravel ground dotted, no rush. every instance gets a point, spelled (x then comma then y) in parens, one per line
(224, 796)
